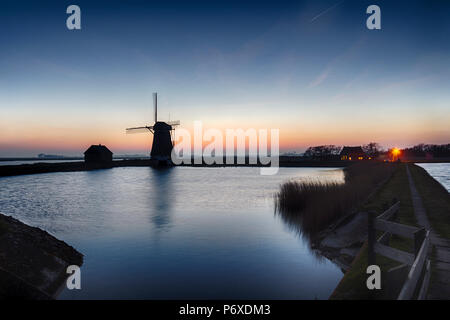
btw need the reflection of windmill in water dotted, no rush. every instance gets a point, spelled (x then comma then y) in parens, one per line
(162, 136)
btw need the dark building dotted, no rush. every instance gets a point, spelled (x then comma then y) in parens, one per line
(162, 141)
(353, 154)
(98, 154)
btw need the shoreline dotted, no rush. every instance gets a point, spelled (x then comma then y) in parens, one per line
(75, 166)
(43, 167)
(33, 263)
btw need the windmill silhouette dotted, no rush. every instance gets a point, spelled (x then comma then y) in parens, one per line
(162, 135)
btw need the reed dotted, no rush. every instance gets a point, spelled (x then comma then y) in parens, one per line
(312, 205)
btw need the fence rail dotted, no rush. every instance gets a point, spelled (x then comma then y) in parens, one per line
(411, 278)
(396, 228)
(394, 254)
(415, 273)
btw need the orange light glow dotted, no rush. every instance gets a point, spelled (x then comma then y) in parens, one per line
(395, 154)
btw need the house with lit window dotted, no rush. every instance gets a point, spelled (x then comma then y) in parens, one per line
(353, 154)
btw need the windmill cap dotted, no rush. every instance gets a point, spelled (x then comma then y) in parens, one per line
(161, 126)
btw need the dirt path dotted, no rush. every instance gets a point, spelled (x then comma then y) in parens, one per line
(440, 282)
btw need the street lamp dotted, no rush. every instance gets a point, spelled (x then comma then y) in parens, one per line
(395, 153)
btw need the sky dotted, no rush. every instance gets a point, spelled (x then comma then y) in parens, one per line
(311, 69)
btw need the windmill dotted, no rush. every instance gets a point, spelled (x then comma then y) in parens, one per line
(162, 135)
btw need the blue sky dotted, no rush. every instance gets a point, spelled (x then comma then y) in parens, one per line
(310, 68)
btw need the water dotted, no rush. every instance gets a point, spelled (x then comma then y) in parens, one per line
(183, 233)
(439, 171)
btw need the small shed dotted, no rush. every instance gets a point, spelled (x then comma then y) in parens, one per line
(353, 153)
(98, 154)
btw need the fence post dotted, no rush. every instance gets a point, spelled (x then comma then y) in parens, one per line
(419, 237)
(371, 237)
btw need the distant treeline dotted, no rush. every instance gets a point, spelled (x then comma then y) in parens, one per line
(331, 151)
(425, 150)
(373, 149)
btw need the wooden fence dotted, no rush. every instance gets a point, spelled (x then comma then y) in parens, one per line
(410, 279)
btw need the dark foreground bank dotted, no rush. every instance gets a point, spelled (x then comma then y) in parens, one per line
(436, 201)
(33, 263)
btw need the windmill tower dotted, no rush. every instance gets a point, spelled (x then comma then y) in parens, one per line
(162, 135)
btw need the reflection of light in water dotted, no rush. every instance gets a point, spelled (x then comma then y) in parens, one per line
(321, 176)
(439, 171)
(332, 175)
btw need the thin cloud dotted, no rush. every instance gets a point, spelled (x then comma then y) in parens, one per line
(321, 78)
(325, 11)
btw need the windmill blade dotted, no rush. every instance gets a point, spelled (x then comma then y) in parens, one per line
(155, 105)
(173, 123)
(139, 129)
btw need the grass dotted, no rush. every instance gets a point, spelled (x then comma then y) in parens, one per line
(353, 285)
(435, 198)
(437, 203)
(314, 205)
(300, 202)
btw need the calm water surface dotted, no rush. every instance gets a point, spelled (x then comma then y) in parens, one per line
(186, 233)
(439, 171)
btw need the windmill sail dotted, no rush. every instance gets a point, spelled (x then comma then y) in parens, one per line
(173, 123)
(139, 129)
(162, 134)
(155, 105)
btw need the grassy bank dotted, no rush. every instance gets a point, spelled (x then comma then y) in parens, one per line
(314, 205)
(436, 201)
(353, 284)
(435, 198)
